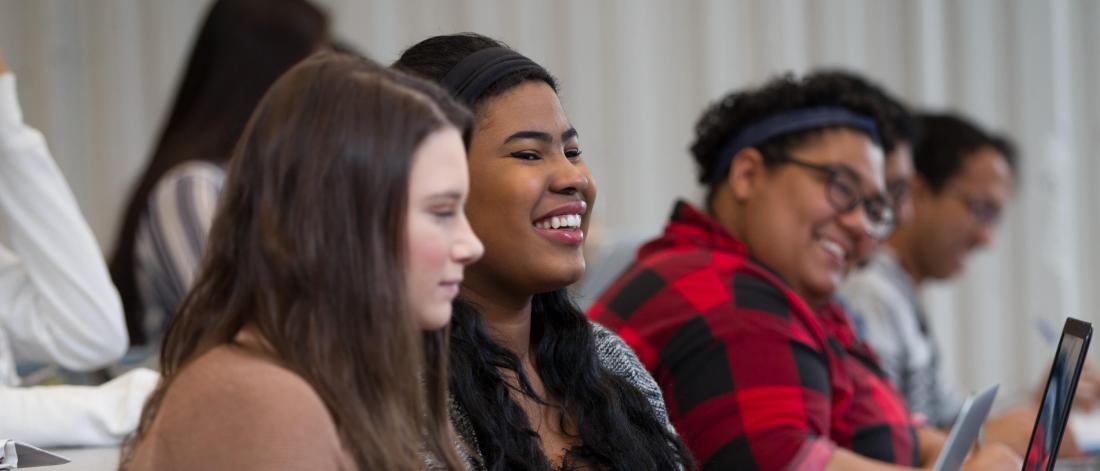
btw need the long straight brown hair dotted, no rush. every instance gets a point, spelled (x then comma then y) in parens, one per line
(308, 248)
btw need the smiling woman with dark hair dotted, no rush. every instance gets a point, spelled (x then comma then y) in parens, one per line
(535, 385)
(732, 304)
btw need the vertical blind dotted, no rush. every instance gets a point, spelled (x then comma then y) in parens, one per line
(96, 77)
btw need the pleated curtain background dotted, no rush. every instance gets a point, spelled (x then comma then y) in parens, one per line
(96, 77)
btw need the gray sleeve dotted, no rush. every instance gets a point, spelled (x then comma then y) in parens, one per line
(465, 440)
(948, 403)
(617, 357)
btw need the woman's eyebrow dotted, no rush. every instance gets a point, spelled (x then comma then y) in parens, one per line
(541, 136)
(445, 196)
(537, 135)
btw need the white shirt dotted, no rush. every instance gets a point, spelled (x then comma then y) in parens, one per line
(57, 302)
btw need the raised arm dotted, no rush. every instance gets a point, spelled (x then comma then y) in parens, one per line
(57, 302)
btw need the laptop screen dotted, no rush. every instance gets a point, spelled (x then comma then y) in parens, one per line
(1058, 396)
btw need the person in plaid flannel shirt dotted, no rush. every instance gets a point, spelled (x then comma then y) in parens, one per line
(731, 308)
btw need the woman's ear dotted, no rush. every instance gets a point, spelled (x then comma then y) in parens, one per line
(746, 171)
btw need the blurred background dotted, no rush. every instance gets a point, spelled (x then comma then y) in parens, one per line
(96, 77)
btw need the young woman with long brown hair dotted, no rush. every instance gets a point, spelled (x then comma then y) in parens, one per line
(313, 337)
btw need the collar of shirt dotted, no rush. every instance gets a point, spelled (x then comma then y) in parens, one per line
(690, 227)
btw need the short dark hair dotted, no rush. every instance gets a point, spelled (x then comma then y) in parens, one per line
(946, 140)
(733, 113)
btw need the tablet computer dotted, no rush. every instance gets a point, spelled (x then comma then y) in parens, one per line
(966, 429)
(1050, 424)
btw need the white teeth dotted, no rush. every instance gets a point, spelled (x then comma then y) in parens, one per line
(571, 221)
(834, 248)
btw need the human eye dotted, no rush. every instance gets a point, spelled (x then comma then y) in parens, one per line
(845, 178)
(525, 155)
(573, 154)
(445, 210)
(846, 190)
(444, 213)
(985, 211)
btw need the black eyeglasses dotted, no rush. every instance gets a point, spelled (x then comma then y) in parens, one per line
(843, 191)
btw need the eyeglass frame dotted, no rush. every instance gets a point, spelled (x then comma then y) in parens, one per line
(984, 212)
(876, 229)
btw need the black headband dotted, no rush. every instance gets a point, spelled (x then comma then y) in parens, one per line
(790, 122)
(478, 71)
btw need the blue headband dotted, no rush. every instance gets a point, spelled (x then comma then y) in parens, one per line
(474, 74)
(789, 122)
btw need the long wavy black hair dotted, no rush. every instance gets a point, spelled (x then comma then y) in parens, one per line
(617, 426)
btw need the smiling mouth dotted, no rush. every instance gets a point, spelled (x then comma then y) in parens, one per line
(564, 221)
(564, 229)
(836, 250)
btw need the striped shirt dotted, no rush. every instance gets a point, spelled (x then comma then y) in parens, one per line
(171, 237)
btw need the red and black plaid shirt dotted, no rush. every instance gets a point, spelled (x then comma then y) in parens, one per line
(754, 379)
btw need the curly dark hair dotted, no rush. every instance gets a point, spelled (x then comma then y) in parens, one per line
(727, 117)
(617, 427)
(900, 126)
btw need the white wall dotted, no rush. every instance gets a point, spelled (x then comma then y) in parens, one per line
(96, 75)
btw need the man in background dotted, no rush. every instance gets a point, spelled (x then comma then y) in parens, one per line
(964, 177)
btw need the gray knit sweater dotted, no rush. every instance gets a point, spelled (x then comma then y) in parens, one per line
(614, 355)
